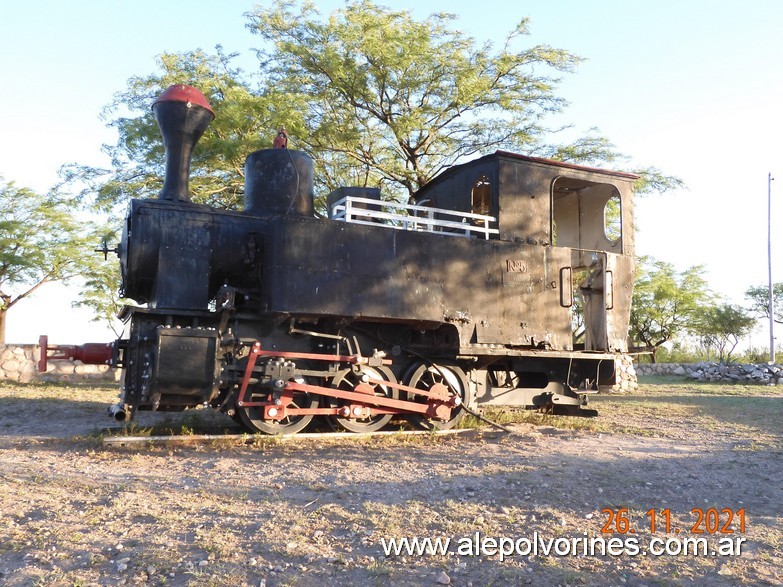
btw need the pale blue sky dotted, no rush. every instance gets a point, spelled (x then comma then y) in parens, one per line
(692, 87)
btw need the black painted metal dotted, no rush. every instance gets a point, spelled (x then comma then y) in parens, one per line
(279, 182)
(177, 255)
(181, 125)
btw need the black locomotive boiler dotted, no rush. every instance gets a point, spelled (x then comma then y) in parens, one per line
(466, 297)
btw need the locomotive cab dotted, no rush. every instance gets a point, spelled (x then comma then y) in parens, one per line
(567, 244)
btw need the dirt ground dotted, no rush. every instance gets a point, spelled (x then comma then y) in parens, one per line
(314, 512)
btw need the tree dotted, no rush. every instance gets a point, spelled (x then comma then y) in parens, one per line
(759, 300)
(245, 120)
(593, 149)
(374, 96)
(100, 291)
(722, 326)
(665, 302)
(40, 241)
(404, 99)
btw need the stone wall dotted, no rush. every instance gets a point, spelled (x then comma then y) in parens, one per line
(19, 362)
(626, 374)
(709, 371)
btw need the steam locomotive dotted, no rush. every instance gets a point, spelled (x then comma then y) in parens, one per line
(465, 297)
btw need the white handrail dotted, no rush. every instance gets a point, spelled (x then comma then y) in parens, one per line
(407, 219)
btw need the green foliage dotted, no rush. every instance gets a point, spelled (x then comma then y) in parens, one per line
(665, 302)
(757, 355)
(373, 95)
(593, 149)
(652, 180)
(403, 99)
(678, 352)
(40, 241)
(245, 120)
(682, 352)
(100, 285)
(720, 327)
(759, 300)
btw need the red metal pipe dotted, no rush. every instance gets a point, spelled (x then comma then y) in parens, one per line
(90, 353)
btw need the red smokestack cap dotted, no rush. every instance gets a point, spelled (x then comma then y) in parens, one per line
(183, 93)
(183, 114)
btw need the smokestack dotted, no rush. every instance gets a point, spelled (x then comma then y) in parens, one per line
(183, 114)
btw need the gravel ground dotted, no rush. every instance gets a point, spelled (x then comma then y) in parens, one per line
(315, 512)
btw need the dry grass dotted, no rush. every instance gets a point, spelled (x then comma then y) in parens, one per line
(313, 512)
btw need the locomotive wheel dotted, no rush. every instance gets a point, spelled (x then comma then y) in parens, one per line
(424, 376)
(348, 380)
(252, 416)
